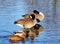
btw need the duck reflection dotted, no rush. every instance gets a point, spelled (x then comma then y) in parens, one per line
(30, 33)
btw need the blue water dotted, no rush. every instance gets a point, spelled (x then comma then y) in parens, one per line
(12, 10)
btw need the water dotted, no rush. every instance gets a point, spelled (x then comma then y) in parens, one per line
(12, 10)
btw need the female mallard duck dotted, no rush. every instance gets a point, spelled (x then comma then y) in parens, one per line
(18, 36)
(38, 15)
(26, 23)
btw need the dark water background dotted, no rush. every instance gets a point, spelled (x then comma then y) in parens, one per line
(11, 10)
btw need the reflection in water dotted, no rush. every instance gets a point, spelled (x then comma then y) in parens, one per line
(37, 28)
(54, 13)
(32, 34)
(5, 34)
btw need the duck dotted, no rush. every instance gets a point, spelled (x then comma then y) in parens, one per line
(37, 29)
(18, 36)
(26, 23)
(38, 15)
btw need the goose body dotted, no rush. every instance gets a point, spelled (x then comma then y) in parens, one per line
(26, 23)
(38, 15)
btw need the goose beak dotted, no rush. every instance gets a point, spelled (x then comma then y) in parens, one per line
(15, 22)
(23, 15)
(14, 32)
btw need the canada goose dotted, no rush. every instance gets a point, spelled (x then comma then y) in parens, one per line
(38, 15)
(26, 23)
(37, 29)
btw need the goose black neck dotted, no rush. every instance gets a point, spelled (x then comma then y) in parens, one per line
(33, 16)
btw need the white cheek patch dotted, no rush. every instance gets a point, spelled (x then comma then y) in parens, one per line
(20, 25)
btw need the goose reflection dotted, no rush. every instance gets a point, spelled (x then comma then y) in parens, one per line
(37, 29)
(34, 31)
(30, 33)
